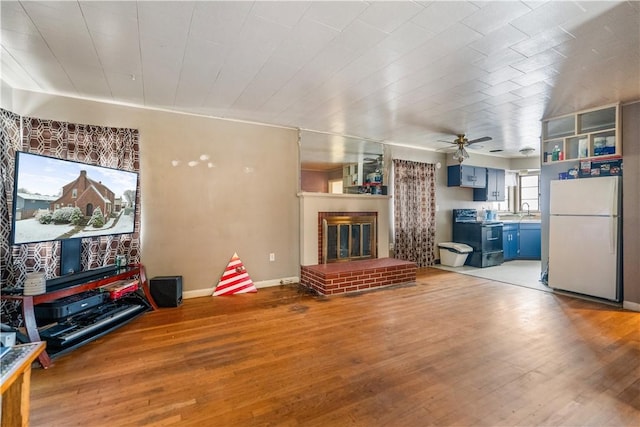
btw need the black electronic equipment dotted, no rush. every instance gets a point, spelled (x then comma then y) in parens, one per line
(64, 307)
(166, 290)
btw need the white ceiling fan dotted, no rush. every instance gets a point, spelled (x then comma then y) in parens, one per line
(461, 142)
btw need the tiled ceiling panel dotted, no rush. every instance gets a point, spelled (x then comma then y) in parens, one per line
(405, 72)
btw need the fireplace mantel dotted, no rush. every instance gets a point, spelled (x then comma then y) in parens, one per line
(313, 203)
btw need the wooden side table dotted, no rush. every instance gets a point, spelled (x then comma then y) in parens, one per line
(16, 382)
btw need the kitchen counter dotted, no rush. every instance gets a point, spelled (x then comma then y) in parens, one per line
(515, 219)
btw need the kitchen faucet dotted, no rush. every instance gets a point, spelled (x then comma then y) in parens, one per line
(528, 208)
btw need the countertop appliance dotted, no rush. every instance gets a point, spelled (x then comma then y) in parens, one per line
(485, 237)
(584, 236)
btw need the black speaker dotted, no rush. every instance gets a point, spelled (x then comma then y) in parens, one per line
(166, 290)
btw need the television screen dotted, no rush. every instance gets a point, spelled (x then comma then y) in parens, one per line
(57, 199)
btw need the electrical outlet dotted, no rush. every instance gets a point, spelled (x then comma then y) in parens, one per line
(272, 256)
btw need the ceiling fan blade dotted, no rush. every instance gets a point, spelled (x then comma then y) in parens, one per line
(483, 139)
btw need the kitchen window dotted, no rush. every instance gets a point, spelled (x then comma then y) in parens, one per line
(510, 183)
(529, 192)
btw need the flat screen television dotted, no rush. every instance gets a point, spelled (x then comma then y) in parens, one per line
(56, 199)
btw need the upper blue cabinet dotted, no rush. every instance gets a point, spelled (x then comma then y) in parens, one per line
(494, 190)
(466, 176)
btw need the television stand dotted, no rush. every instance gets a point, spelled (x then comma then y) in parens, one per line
(72, 285)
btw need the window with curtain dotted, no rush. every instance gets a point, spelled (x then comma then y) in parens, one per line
(414, 210)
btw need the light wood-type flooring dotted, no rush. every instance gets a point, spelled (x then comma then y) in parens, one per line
(451, 350)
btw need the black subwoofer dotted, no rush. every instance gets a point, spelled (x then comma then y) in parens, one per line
(166, 290)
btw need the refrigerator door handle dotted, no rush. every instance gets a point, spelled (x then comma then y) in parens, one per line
(613, 196)
(612, 235)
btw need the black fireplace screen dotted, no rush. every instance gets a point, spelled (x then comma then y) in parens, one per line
(347, 238)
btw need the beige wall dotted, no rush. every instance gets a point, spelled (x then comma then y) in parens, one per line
(195, 217)
(631, 205)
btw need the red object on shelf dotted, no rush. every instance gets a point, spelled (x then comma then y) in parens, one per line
(121, 288)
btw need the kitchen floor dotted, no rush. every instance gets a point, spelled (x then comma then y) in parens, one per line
(517, 272)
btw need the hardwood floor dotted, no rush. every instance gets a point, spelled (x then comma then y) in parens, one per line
(450, 350)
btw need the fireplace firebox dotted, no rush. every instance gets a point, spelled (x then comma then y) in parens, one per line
(348, 238)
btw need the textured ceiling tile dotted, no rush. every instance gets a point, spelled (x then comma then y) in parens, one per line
(440, 16)
(165, 21)
(117, 22)
(547, 16)
(387, 16)
(15, 19)
(498, 40)
(219, 22)
(542, 41)
(501, 88)
(284, 13)
(337, 15)
(501, 75)
(494, 14)
(538, 61)
(304, 42)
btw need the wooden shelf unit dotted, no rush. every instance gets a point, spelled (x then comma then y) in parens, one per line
(588, 134)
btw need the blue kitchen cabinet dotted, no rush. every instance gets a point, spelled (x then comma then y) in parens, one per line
(494, 190)
(510, 241)
(466, 176)
(529, 241)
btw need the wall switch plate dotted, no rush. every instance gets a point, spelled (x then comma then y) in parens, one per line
(272, 256)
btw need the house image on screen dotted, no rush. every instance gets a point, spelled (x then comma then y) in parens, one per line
(28, 204)
(86, 194)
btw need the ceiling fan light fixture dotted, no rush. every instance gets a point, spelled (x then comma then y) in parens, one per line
(460, 154)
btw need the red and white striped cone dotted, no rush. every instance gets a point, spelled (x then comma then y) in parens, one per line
(235, 279)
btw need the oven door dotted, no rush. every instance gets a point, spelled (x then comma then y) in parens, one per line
(491, 237)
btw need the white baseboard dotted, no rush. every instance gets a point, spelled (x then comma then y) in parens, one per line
(633, 306)
(262, 284)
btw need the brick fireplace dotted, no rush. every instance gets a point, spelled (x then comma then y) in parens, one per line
(347, 256)
(347, 236)
(350, 275)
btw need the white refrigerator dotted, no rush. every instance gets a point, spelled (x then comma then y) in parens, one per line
(584, 236)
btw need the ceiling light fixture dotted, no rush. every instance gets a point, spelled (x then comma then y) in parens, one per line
(526, 151)
(460, 153)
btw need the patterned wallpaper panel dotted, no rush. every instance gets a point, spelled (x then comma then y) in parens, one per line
(97, 145)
